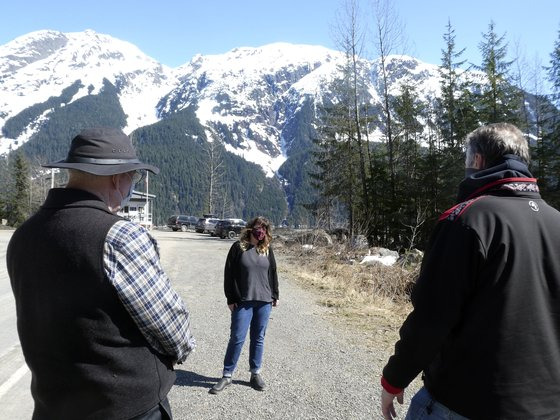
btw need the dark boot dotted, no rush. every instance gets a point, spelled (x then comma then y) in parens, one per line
(257, 382)
(222, 383)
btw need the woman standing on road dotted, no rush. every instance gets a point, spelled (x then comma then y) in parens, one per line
(251, 289)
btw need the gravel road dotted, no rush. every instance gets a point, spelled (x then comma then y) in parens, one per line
(314, 368)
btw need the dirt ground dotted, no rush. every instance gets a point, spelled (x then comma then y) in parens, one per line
(376, 318)
(325, 345)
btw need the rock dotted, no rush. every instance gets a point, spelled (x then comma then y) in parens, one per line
(360, 242)
(383, 252)
(412, 257)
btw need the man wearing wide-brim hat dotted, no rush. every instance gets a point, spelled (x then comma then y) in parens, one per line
(99, 324)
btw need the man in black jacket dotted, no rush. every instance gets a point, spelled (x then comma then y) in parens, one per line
(99, 324)
(485, 328)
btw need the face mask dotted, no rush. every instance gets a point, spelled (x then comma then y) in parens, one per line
(259, 234)
(126, 199)
(134, 179)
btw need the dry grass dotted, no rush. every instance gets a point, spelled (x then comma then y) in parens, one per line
(374, 299)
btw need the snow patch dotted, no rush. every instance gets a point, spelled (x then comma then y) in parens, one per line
(387, 260)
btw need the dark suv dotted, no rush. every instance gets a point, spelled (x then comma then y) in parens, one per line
(181, 222)
(229, 228)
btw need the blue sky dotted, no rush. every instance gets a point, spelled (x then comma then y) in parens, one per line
(174, 31)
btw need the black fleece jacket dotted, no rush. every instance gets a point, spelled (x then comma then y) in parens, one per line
(485, 328)
(234, 285)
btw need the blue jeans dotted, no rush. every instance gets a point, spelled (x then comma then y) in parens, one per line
(254, 314)
(423, 406)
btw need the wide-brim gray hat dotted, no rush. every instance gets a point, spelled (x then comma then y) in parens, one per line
(102, 151)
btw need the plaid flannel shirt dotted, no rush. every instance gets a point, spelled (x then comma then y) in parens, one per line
(131, 263)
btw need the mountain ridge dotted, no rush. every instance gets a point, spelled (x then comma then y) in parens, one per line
(260, 104)
(149, 91)
(88, 56)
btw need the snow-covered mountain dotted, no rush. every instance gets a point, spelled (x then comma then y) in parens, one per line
(248, 98)
(39, 65)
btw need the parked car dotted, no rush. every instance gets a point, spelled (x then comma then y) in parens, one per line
(229, 228)
(206, 225)
(181, 222)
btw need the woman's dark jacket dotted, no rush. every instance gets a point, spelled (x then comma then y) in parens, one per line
(231, 274)
(485, 328)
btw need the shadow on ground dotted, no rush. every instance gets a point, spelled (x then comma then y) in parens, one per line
(187, 378)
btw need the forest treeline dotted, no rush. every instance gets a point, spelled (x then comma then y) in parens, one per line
(196, 176)
(393, 189)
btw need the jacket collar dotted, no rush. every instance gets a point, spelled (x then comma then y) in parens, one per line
(508, 171)
(69, 197)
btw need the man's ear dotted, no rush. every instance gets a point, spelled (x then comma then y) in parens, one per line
(116, 180)
(479, 161)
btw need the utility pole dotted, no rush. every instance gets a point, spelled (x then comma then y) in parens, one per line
(147, 212)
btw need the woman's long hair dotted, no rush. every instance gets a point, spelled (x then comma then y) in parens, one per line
(245, 236)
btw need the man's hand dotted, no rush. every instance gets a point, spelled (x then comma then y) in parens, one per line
(232, 306)
(275, 302)
(387, 407)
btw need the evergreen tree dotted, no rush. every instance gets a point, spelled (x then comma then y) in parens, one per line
(554, 71)
(334, 172)
(4, 188)
(351, 42)
(325, 172)
(519, 79)
(497, 101)
(452, 105)
(352, 122)
(455, 116)
(539, 129)
(388, 39)
(330, 169)
(410, 196)
(18, 208)
(549, 145)
(434, 178)
(450, 87)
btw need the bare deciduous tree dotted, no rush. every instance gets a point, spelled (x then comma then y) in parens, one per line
(215, 170)
(388, 38)
(350, 39)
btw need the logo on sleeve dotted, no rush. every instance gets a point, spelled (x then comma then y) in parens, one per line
(534, 206)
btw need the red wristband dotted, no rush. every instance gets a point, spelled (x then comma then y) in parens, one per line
(390, 388)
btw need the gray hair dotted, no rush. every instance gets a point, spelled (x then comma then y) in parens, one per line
(495, 140)
(77, 175)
